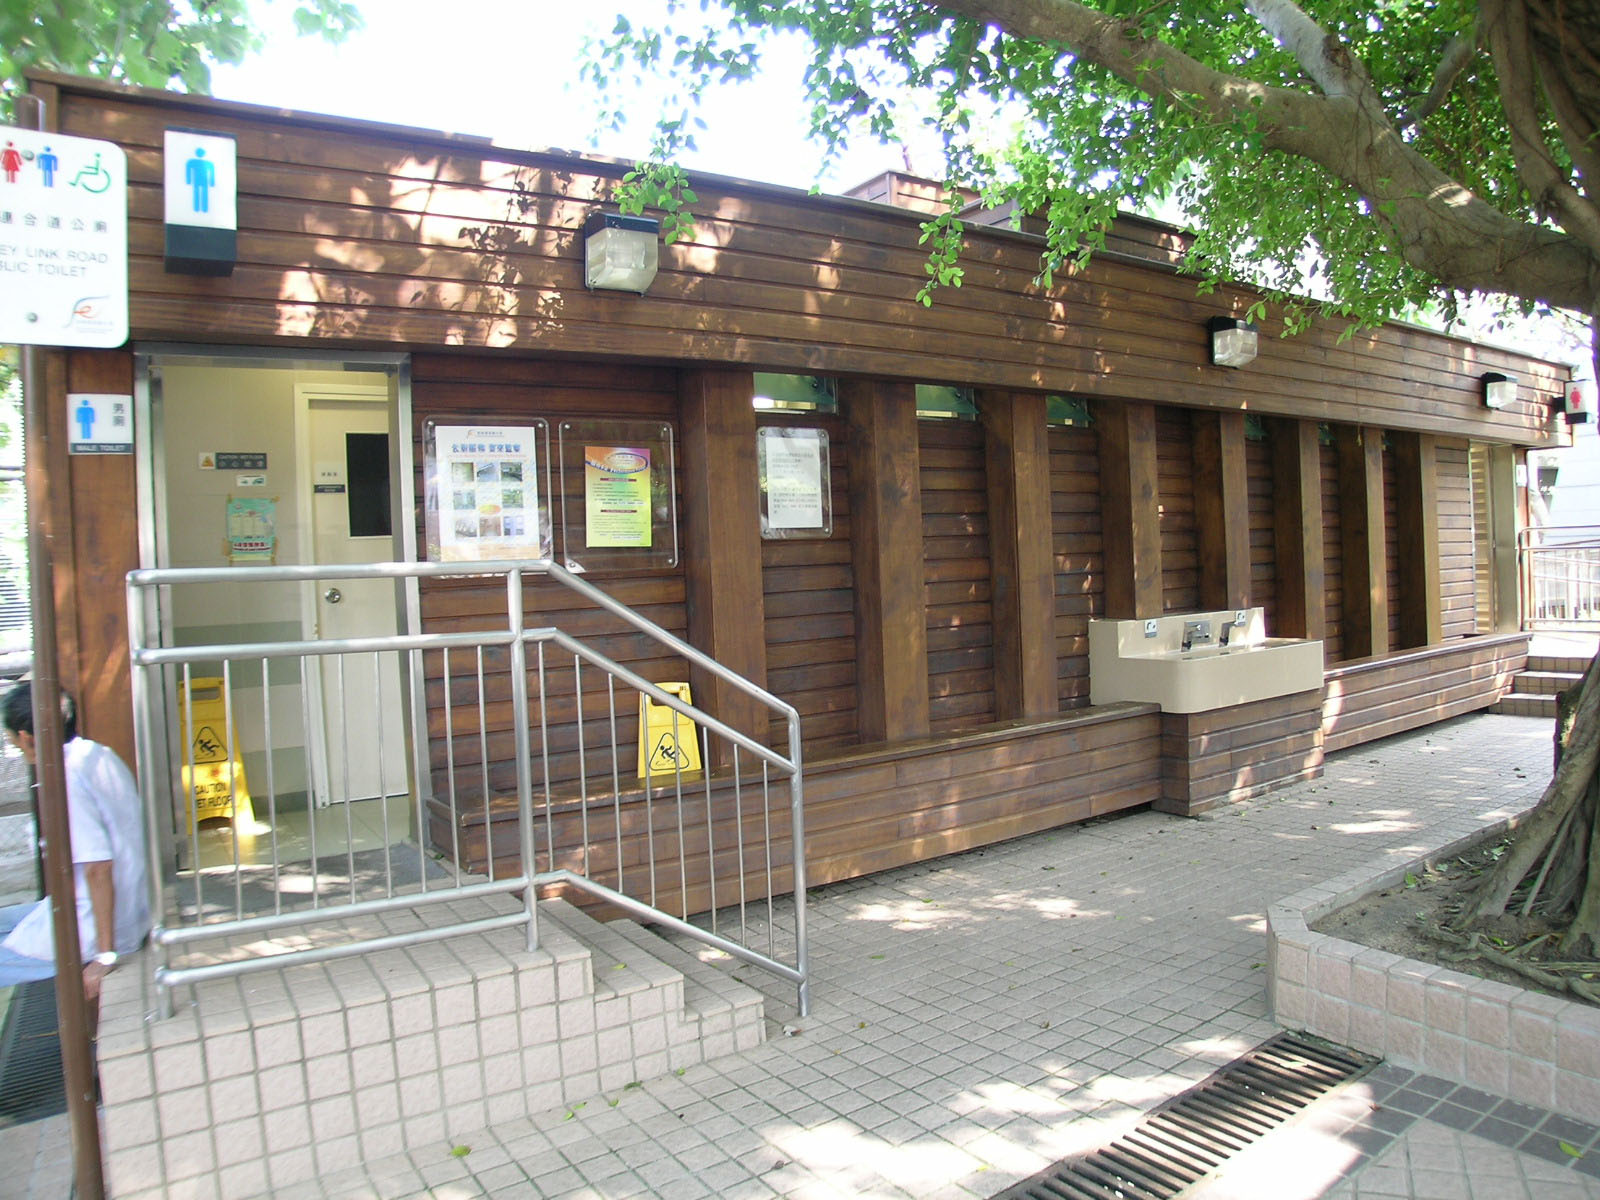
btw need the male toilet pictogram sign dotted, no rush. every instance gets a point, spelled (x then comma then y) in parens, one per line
(668, 741)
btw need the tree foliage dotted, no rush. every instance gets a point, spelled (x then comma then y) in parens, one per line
(1378, 155)
(153, 43)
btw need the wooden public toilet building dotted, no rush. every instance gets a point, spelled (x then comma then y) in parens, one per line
(1001, 469)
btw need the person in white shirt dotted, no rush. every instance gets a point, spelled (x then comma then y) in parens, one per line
(110, 868)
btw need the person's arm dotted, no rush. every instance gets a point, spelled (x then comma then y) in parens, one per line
(103, 899)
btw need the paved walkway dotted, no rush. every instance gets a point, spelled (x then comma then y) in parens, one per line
(980, 1017)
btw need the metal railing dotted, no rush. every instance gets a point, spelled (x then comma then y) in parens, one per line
(697, 852)
(1558, 568)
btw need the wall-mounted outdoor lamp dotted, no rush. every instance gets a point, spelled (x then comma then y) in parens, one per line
(620, 252)
(1498, 390)
(1233, 342)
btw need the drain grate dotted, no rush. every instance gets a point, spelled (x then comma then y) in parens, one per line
(1191, 1135)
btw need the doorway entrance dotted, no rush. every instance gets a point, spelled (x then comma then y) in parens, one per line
(283, 461)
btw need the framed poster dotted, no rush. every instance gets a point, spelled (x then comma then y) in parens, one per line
(792, 470)
(485, 499)
(616, 496)
(618, 487)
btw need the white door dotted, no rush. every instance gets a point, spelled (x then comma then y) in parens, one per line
(355, 698)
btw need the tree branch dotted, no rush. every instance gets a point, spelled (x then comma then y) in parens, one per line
(1577, 127)
(1441, 227)
(1457, 54)
(1506, 22)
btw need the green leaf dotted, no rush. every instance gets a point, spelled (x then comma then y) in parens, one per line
(1570, 1150)
(460, 1151)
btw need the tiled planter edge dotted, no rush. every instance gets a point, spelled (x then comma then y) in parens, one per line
(1531, 1048)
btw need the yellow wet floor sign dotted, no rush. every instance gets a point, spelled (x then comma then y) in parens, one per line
(218, 770)
(668, 741)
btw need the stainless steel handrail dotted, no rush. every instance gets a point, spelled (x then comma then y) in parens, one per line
(156, 670)
(1558, 574)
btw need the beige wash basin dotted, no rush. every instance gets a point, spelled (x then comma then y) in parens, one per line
(1203, 678)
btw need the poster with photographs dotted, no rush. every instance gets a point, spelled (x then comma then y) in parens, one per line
(486, 502)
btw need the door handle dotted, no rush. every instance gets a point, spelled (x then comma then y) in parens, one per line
(333, 595)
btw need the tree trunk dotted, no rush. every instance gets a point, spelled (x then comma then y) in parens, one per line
(1546, 823)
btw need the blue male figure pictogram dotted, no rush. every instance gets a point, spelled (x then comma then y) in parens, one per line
(47, 163)
(200, 175)
(84, 414)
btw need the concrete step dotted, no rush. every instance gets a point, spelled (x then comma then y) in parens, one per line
(1564, 664)
(1545, 683)
(707, 1014)
(1526, 704)
(262, 1083)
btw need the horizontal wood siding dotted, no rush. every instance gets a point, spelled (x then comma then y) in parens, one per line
(956, 566)
(865, 812)
(1366, 700)
(369, 235)
(1180, 557)
(1234, 753)
(480, 748)
(1076, 543)
(1263, 551)
(808, 589)
(1332, 557)
(1457, 595)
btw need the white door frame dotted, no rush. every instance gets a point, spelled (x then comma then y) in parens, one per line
(152, 505)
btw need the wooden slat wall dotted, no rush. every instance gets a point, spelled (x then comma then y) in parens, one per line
(451, 389)
(1180, 562)
(1263, 553)
(955, 547)
(1235, 753)
(1373, 698)
(808, 585)
(1080, 568)
(360, 234)
(1333, 556)
(865, 811)
(1457, 591)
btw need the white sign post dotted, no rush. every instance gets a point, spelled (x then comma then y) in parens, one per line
(63, 240)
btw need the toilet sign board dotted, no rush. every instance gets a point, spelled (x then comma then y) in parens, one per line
(99, 424)
(63, 240)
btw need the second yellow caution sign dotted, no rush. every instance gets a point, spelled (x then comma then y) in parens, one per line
(668, 741)
(218, 781)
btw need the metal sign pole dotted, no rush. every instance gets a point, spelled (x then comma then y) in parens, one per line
(77, 1055)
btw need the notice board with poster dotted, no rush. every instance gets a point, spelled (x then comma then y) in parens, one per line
(618, 485)
(487, 491)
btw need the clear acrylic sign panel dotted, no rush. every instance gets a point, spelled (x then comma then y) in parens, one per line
(487, 490)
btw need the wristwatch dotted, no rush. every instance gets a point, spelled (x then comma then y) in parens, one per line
(106, 958)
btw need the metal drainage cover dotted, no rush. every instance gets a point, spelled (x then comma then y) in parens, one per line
(1191, 1135)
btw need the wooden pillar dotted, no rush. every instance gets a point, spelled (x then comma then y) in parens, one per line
(93, 527)
(1130, 509)
(886, 553)
(1416, 470)
(1297, 529)
(1221, 509)
(1366, 581)
(1022, 567)
(722, 529)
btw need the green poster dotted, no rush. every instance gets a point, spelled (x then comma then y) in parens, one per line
(616, 492)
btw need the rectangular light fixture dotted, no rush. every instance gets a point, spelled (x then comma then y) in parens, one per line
(1498, 390)
(620, 252)
(1233, 342)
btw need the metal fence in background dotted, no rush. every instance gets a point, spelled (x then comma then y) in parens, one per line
(316, 884)
(1559, 572)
